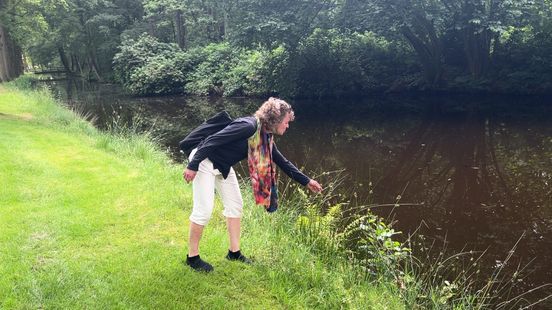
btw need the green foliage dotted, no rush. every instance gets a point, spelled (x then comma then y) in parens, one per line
(334, 63)
(271, 23)
(271, 72)
(207, 77)
(370, 242)
(25, 82)
(362, 237)
(243, 78)
(327, 63)
(292, 48)
(160, 75)
(147, 66)
(258, 72)
(320, 231)
(525, 59)
(424, 275)
(80, 35)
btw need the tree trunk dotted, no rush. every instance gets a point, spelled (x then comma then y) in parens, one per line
(477, 48)
(75, 65)
(11, 58)
(79, 66)
(16, 61)
(64, 59)
(151, 26)
(428, 46)
(94, 66)
(429, 54)
(225, 25)
(180, 29)
(26, 65)
(90, 49)
(4, 73)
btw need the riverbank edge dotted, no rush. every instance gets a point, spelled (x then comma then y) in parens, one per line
(286, 273)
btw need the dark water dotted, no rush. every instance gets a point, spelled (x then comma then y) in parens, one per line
(473, 172)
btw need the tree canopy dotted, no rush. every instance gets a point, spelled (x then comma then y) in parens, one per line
(418, 44)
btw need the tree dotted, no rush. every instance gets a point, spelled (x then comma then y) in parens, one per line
(474, 24)
(270, 23)
(421, 22)
(479, 24)
(188, 23)
(11, 65)
(79, 35)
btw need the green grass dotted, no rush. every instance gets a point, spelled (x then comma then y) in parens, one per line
(97, 220)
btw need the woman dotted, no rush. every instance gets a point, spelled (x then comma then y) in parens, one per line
(210, 168)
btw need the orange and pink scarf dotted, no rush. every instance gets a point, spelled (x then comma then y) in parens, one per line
(261, 168)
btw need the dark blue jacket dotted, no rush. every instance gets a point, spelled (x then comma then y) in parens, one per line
(229, 146)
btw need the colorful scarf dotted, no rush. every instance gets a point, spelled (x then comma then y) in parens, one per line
(261, 169)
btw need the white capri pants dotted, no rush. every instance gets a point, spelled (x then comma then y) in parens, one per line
(205, 182)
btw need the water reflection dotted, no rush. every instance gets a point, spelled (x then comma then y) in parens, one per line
(479, 177)
(476, 170)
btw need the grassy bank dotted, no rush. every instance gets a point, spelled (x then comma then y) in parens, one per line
(99, 220)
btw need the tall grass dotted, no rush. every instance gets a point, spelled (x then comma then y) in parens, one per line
(428, 278)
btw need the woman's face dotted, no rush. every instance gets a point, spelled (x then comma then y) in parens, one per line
(283, 125)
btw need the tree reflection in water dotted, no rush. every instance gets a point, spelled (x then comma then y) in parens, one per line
(480, 179)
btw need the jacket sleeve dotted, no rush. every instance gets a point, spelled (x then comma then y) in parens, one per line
(237, 130)
(288, 167)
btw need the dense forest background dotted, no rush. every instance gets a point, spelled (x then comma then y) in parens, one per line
(293, 48)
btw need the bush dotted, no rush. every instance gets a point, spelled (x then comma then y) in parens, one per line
(146, 66)
(523, 61)
(333, 63)
(207, 77)
(328, 63)
(427, 279)
(24, 82)
(241, 78)
(256, 73)
(160, 75)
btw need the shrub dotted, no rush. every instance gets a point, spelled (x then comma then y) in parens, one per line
(214, 61)
(334, 63)
(159, 75)
(24, 82)
(147, 66)
(523, 61)
(241, 77)
(327, 63)
(256, 73)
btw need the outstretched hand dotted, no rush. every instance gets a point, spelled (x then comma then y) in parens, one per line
(189, 175)
(314, 186)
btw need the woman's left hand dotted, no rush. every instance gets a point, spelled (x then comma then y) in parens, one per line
(314, 186)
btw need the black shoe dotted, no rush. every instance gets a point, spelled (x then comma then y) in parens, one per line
(238, 256)
(197, 264)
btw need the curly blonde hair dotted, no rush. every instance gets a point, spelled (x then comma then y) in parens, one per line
(273, 111)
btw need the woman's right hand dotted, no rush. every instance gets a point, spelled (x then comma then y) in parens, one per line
(189, 175)
(314, 186)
